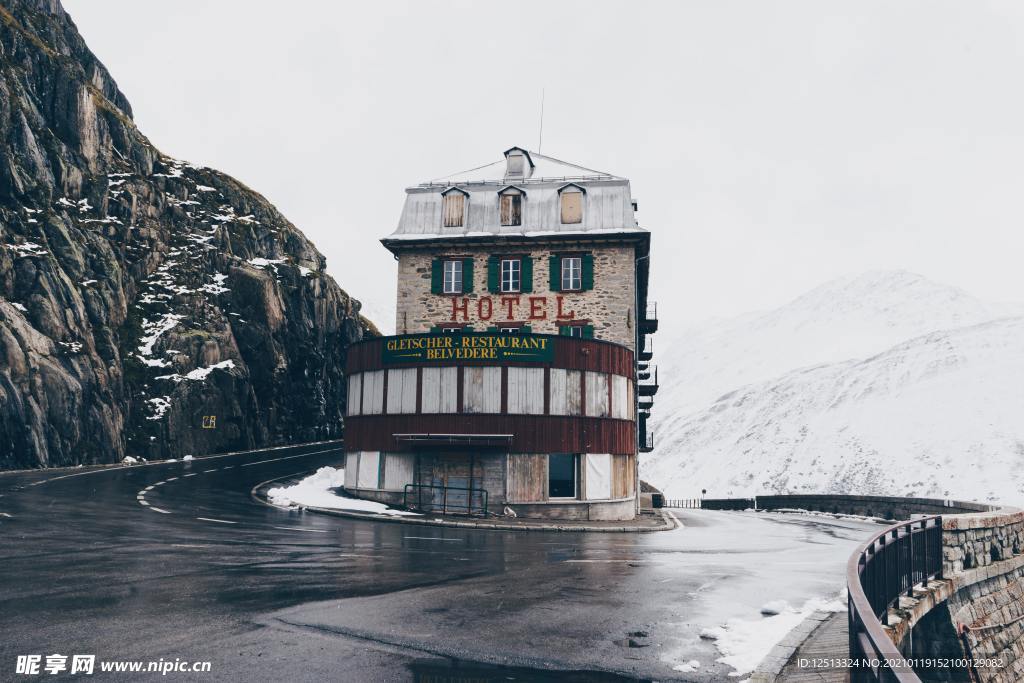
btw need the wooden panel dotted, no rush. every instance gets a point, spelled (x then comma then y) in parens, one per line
(355, 393)
(351, 470)
(572, 207)
(454, 204)
(373, 392)
(440, 390)
(620, 397)
(527, 478)
(369, 470)
(623, 476)
(482, 389)
(530, 433)
(398, 470)
(597, 394)
(566, 396)
(402, 390)
(526, 391)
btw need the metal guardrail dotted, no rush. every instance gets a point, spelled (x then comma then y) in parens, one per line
(459, 503)
(685, 503)
(885, 568)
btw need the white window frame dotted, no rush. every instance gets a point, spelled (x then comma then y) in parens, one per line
(576, 331)
(572, 272)
(452, 276)
(512, 278)
(510, 329)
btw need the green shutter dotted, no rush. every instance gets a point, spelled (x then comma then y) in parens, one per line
(434, 329)
(588, 272)
(437, 276)
(527, 275)
(527, 329)
(555, 265)
(494, 274)
(588, 331)
(467, 275)
(563, 330)
(492, 329)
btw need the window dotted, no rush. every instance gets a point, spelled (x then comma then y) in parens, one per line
(451, 330)
(572, 273)
(454, 208)
(572, 206)
(515, 164)
(511, 275)
(511, 209)
(510, 330)
(575, 331)
(562, 475)
(452, 277)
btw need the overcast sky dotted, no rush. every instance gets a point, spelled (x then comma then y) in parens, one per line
(771, 145)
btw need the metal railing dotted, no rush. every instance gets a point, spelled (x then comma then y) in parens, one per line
(647, 440)
(457, 500)
(686, 503)
(647, 383)
(885, 568)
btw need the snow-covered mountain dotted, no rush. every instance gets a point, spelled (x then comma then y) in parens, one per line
(883, 383)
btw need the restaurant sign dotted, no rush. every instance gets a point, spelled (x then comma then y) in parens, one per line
(417, 348)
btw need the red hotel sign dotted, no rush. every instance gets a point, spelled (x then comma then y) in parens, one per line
(511, 307)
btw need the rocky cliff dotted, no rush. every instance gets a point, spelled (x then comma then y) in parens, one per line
(148, 307)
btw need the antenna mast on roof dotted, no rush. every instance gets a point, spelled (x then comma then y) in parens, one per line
(540, 138)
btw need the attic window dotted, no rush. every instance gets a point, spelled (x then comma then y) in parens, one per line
(515, 165)
(572, 205)
(511, 207)
(454, 208)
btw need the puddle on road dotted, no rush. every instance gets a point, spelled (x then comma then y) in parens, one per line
(458, 671)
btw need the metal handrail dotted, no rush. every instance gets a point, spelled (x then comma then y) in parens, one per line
(445, 504)
(884, 568)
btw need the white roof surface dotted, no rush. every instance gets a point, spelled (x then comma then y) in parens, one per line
(607, 203)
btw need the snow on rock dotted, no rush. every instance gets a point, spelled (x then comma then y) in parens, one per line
(152, 329)
(316, 490)
(687, 667)
(199, 374)
(886, 384)
(187, 458)
(129, 460)
(20, 307)
(160, 405)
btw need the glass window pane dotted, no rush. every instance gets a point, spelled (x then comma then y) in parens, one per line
(452, 277)
(511, 275)
(562, 475)
(572, 271)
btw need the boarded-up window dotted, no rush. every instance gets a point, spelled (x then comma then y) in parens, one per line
(599, 476)
(623, 476)
(527, 478)
(369, 470)
(440, 390)
(515, 164)
(565, 392)
(454, 208)
(401, 391)
(597, 394)
(481, 391)
(620, 397)
(355, 391)
(572, 206)
(512, 209)
(373, 392)
(526, 391)
(398, 469)
(352, 470)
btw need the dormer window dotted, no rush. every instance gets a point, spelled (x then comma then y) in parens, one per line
(518, 163)
(515, 165)
(453, 207)
(511, 205)
(571, 203)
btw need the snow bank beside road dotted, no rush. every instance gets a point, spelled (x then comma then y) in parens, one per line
(316, 490)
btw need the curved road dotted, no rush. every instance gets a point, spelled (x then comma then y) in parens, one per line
(175, 561)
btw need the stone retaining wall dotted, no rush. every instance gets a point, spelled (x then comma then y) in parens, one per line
(982, 557)
(885, 507)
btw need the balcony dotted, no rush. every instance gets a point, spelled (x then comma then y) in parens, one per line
(649, 323)
(646, 441)
(645, 403)
(647, 350)
(648, 381)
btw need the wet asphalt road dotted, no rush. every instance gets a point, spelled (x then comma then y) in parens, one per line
(201, 572)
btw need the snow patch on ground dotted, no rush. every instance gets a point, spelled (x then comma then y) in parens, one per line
(743, 643)
(160, 405)
(316, 490)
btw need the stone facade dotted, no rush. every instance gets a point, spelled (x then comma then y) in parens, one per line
(609, 307)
